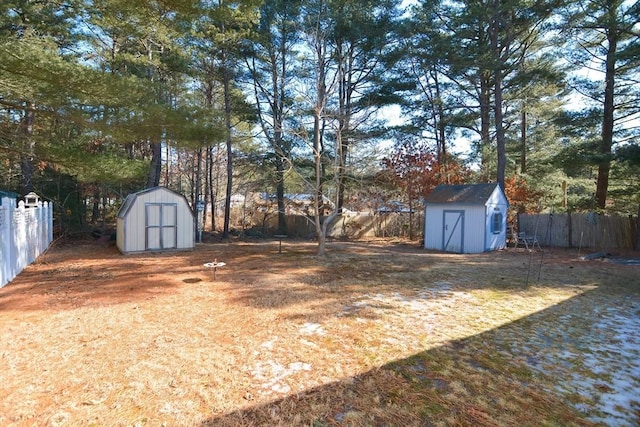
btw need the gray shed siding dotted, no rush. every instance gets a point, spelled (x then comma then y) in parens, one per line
(466, 227)
(155, 219)
(472, 236)
(496, 204)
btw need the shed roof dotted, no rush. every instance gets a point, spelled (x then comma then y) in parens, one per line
(131, 198)
(470, 194)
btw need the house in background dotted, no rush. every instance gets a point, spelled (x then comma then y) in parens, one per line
(466, 218)
(155, 219)
(295, 203)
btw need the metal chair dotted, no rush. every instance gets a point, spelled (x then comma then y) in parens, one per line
(527, 240)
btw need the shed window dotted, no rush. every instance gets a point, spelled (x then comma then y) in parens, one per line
(496, 223)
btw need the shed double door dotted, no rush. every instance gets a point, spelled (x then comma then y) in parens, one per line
(453, 235)
(161, 226)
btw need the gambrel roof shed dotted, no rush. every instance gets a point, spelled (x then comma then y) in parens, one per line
(469, 218)
(155, 219)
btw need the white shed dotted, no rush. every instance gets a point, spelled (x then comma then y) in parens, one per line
(466, 218)
(155, 219)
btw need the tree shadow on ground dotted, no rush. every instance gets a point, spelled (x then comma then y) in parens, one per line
(503, 376)
(258, 275)
(529, 372)
(358, 268)
(89, 274)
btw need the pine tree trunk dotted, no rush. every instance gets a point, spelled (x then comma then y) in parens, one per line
(440, 126)
(95, 212)
(318, 172)
(26, 162)
(494, 35)
(321, 93)
(344, 119)
(607, 116)
(485, 122)
(523, 141)
(167, 174)
(278, 144)
(282, 218)
(156, 165)
(500, 136)
(209, 190)
(228, 127)
(198, 191)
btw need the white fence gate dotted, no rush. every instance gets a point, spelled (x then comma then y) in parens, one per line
(25, 233)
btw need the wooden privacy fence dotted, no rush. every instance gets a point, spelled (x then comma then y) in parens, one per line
(25, 232)
(581, 230)
(355, 225)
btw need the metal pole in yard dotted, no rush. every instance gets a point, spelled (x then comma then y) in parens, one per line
(549, 225)
(580, 244)
(535, 233)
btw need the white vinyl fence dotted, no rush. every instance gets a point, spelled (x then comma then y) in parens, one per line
(25, 232)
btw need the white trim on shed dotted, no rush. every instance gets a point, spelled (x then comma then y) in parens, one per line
(466, 218)
(155, 219)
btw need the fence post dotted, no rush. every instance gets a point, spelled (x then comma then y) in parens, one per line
(569, 230)
(49, 223)
(636, 242)
(5, 243)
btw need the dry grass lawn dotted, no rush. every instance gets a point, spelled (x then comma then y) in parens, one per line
(375, 333)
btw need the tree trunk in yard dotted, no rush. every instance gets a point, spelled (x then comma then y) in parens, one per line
(26, 163)
(499, 52)
(156, 165)
(228, 128)
(485, 123)
(523, 140)
(282, 217)
(500, 134)
(607, 118)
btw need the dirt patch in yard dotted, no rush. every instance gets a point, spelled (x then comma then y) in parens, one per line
(375, 333)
